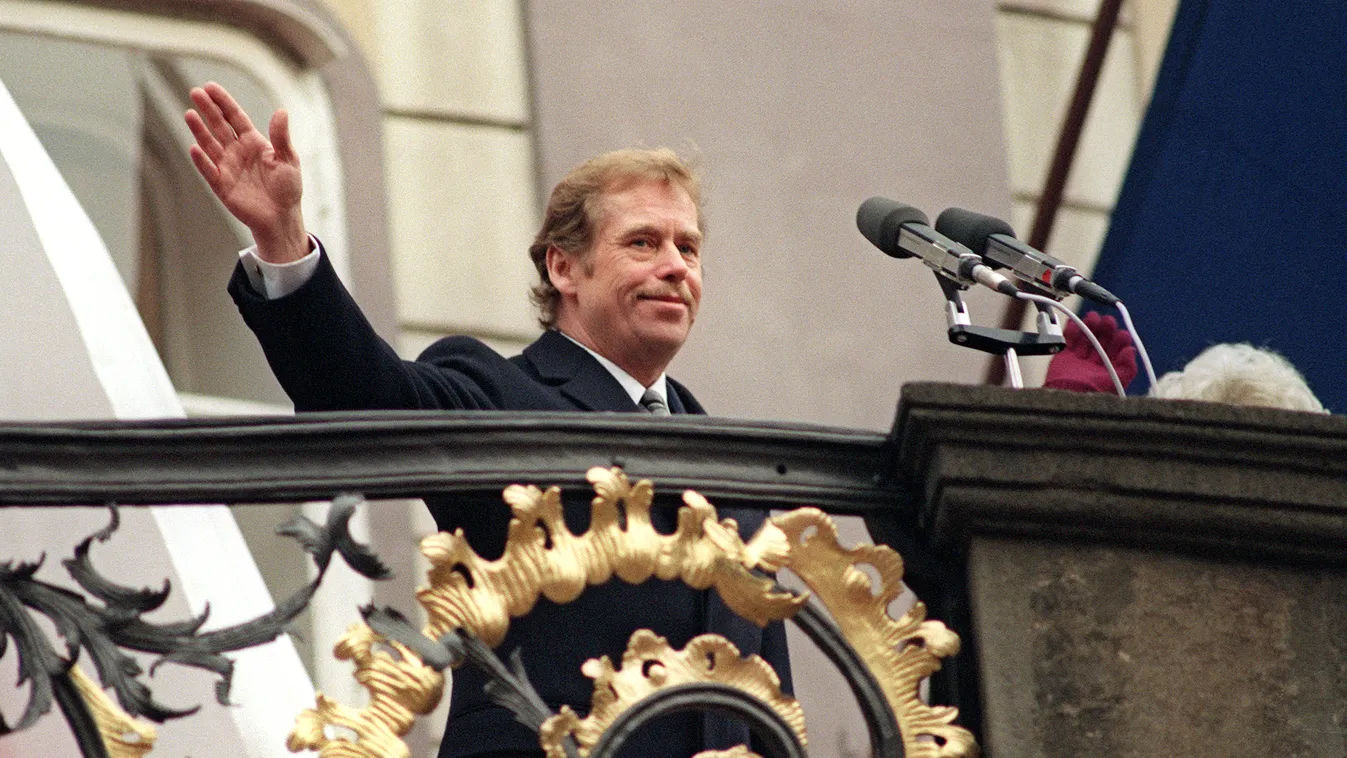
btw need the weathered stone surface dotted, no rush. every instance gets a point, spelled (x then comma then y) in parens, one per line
(1144, 578)
(1098, 651)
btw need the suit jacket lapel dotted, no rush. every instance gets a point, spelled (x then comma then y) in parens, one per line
(583, 380)
(682, 401)
(676, 406)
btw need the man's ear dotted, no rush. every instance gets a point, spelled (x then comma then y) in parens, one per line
(562, 268)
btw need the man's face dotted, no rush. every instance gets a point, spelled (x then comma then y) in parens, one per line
(634, 297)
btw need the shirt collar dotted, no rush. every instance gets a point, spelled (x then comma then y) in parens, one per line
(629, 383)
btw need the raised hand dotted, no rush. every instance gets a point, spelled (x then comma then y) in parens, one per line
(1079, 367)
(256, 178)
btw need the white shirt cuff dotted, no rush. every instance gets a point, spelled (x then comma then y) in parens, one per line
(276, 280)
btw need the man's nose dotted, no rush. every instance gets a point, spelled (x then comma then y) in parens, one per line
(672, 265)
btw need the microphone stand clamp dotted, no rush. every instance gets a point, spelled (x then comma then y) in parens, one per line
(1011, 344)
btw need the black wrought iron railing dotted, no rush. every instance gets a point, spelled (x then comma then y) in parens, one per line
(346, 457)
(1048, 529)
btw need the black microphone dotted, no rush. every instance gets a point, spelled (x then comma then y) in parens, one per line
(996, 239)
(902, 231)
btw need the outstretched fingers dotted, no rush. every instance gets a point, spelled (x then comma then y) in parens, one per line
(1076, 341)
(211, 122)
(229, 109)
(1120, 339)
(279, 131)
(207, 150)
(1124, 360)
(203, 135)
(205, 166)
(1105, 329)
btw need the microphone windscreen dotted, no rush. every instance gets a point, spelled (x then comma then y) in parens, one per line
(880, 219)
(971, 229)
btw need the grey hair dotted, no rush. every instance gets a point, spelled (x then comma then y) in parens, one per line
(1241, 374)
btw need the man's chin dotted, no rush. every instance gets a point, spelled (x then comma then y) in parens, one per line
(669, 337)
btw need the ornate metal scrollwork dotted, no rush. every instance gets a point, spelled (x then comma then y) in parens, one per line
(470, 602)
(123, 735)
(401, 687)
(650, 666)
(898, 653)
(542, 557)
(103, 630)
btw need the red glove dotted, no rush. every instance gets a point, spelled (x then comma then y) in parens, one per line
(1080, 369)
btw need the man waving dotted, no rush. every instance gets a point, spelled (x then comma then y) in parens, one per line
(619, 261)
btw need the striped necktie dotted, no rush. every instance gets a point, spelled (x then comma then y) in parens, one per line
(654, 404)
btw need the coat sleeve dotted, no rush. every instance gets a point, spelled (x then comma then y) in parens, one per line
(327, 357)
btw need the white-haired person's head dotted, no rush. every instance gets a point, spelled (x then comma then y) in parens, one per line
(1240, 374)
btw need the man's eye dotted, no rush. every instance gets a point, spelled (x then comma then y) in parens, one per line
(640, 243)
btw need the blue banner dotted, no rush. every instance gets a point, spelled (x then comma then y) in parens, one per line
(1231, 225)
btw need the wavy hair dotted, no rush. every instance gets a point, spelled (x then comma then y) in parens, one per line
(1241, 374)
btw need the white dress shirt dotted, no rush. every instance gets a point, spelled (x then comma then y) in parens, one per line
(276, 280)
(628, 382)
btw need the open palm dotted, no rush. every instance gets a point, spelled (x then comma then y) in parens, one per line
(257, 178)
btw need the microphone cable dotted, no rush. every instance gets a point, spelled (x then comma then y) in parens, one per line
(1094, 341)
(1136, 338)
